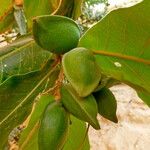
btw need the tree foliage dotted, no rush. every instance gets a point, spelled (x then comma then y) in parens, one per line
(32, 77)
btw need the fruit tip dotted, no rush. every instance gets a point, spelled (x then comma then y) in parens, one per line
(115, 120)
(96, 126)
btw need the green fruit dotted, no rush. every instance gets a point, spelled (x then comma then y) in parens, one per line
(53, 128)
(107, 105)
(81, 70)
(57, 34)
(103, 83)
(83, 108)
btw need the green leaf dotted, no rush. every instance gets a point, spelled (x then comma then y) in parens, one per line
(29, 133)
(77, 133)
(145, 96)
(121, 42)
(17, 95)
(82, 108)
(107, 104)
(36, 8)
(4, 6)
(29, 137)
(6, 15)
(20, 41)
(77, 11)
(21, 57)
(65, 8)
(33, 143)
(54, 4)
(69, 8)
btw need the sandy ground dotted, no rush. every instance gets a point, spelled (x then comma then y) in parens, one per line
(133, 130)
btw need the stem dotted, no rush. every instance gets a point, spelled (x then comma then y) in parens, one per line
(58, 85)
(118, 55)
(55, 90)
(60, 2)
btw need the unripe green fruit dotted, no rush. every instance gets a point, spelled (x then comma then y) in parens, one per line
(84, 108)
(81, 70)
(53, 128)
(107, 104)
(58, 34)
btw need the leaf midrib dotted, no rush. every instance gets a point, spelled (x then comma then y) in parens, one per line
(30, 93)
(34, 129)
(122, 56)
(16, 50)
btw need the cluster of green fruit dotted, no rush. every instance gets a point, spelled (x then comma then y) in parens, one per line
(60, 35)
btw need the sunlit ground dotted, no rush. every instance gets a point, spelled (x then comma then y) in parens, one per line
(114, 4)
(122, 2)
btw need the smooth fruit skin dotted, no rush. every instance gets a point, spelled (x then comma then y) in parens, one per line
(53, 128)
(58, 34)
(81, 70)
(107, 104)
(84, 108)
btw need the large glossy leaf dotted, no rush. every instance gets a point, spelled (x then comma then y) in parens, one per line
(21, 57)
(15, 44)
(17, 95)
(145, 96)
(6, 15)
(121, 42)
